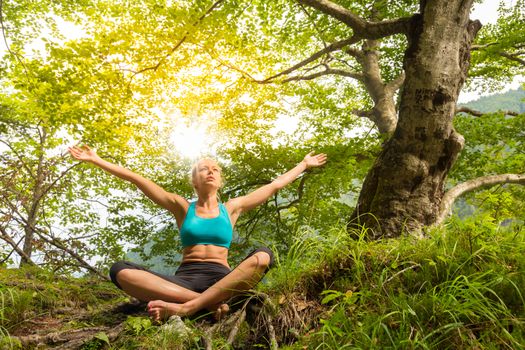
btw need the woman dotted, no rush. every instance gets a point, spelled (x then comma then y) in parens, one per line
(204, 279)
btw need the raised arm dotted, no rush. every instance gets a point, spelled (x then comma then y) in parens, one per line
(170, 201)
(242, 204)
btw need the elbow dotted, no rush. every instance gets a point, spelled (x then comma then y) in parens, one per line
(277, 185)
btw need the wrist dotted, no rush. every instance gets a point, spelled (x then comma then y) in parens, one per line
(304, 164)
(94, 160)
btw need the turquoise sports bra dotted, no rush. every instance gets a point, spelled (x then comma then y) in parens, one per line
(214, 231)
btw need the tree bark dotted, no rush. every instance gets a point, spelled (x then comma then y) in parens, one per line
(32, 215)
(404, 188)
(471, 185)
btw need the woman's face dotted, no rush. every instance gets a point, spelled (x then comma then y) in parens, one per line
(207, 174)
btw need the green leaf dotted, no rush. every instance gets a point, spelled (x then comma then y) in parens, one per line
(102, 336)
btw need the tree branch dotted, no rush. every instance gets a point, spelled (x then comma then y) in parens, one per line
(352, 51)
(476, 113)
(395, 84)
(180, 42)
(369, 114)
(338, 45)
(513, 57)
(7, 44)
(55, 242)
(5, 236)
(240, 187)
(319, 32)
(216, 56)
(363, 28)
(468, 186)
(10, 253)
(300, 190)
(50, 186)
(19, 157)
(327, 71)
(483, 46)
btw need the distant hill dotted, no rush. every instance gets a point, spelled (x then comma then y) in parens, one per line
(512, 100)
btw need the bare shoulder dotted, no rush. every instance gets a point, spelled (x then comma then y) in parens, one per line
(179, 202)
(233, 205)
(234, 209)
(178, 206)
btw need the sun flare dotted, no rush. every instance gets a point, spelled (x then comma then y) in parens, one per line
(191, 141)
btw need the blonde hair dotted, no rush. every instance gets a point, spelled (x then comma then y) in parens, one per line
(195, 167)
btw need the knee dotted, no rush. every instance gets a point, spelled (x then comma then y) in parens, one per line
(269, 254)
(264, 258)
(120, 270)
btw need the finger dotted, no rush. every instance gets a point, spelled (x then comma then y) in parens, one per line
(73, 152)
(77, 150)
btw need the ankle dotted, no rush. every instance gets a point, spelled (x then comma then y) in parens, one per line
(190, 307)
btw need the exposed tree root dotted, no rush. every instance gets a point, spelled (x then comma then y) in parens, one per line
(70, 339)
(112, 334)
(265, 319)
(58, 337)
(235, 328)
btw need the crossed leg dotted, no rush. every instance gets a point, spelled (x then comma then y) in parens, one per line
(242, 278)
(147, 286)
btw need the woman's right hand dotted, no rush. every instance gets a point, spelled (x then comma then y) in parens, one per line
(84, 153)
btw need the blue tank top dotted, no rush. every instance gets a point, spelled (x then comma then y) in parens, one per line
(214, 231)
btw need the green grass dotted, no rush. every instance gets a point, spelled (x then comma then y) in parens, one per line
(448, 291)
(31, 297)
(459, 288)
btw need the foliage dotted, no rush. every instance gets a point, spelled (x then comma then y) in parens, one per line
(494, 145)
(460, 288)
(499, 56)
(134, 72)
(137, 71)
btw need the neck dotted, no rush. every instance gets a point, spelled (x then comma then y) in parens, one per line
(208, 200)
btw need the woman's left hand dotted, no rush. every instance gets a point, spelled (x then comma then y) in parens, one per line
(313, 161)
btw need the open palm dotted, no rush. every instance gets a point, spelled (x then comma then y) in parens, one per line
(313, 161)
(84, 153)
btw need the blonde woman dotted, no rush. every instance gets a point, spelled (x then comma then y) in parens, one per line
(204, 279)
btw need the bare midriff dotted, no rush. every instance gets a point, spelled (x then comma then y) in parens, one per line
(206, 253)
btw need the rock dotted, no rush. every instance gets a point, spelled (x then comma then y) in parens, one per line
(177, 326)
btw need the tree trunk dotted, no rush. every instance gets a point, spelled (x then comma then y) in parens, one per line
(403, 190)
(32, 215)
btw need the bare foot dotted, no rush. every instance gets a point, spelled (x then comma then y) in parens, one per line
(161, 310)
(221, 311)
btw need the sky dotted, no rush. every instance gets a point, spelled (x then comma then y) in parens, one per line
(487, 12)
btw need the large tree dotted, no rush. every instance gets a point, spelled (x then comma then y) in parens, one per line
(405, 188)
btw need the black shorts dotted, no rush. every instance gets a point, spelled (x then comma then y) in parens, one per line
(195, 276)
